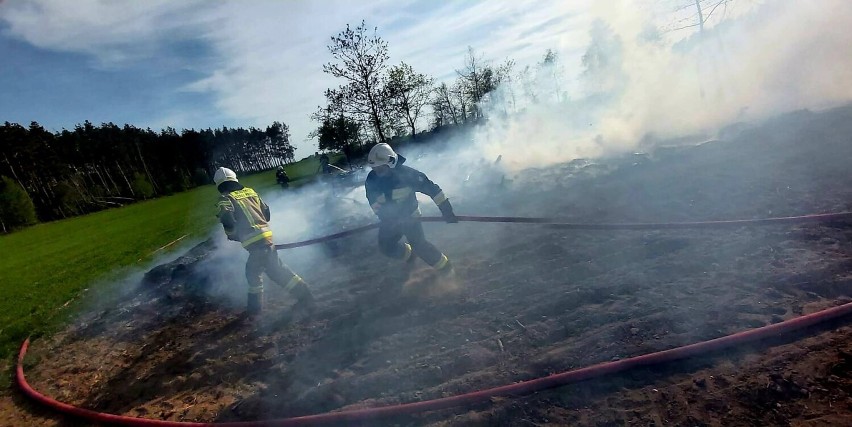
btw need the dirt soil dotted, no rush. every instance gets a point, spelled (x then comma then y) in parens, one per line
(526, 301)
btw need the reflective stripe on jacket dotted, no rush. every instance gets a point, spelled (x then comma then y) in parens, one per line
(244, 216)
(392, 196)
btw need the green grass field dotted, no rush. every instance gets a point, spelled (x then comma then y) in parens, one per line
(46, 266)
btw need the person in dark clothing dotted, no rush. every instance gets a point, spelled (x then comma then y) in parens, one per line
(324, 164)
(282, 178)
(391, 188)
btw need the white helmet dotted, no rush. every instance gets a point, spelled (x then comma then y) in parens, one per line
(224, 174)
(380, 155)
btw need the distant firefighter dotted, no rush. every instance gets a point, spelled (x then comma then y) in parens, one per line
(391, 189)
(245, 218)
(324, 164)
(281, 177)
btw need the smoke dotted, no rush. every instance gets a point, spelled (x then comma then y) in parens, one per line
(310, 211)
(126, 283)
(632, 84)
(631, 87)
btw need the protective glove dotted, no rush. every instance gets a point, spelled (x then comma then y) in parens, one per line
(447, 212)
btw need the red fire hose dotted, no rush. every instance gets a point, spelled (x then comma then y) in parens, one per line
(515, 389)
(481, 396)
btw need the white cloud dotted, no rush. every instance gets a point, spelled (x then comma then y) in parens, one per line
(111, 31)
(275, 52)
(269, 54)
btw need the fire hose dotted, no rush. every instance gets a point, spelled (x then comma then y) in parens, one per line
(511, 390)
(565, 224)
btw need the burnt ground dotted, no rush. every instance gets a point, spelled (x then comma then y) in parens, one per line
(526, 301)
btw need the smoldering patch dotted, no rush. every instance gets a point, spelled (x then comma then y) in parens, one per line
(427, 283)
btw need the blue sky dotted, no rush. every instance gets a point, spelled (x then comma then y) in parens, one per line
(208, 63)
(197, 64)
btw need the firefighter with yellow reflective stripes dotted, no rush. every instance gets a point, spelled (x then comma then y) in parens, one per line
(391, 188)
(245, 218)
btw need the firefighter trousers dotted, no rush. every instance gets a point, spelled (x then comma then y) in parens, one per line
(390, 232)
(264, 259)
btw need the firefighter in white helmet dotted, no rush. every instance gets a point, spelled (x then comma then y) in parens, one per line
(245, 218)
(391, 189)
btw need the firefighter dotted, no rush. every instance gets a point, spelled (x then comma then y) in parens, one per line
(391, 188)
(281, 177)
(324, 164)
(245, 218)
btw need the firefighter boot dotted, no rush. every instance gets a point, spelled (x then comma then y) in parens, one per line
(304, 297)
(446, 269)
(409, 259)
(254, 304)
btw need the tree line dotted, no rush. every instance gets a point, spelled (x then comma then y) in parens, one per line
(378, 101)
(53, 175)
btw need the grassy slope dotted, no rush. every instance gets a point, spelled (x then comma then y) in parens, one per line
(49, 264)
(45, 266)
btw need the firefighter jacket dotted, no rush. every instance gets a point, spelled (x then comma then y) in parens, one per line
(245, 217)
(393, 197)
(281, 176)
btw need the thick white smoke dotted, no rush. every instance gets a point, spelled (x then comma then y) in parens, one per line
(771, 58)
(768, 58)
(311, 211)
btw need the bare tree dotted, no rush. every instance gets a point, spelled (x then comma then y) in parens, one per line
(503, 76)
(460, 96)
(698, 13)
(361, 61)
(476, 79)
(603, 70)
(528, 84)
(550, 72)
(443, 107)
(704, 10)
(407, 91)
